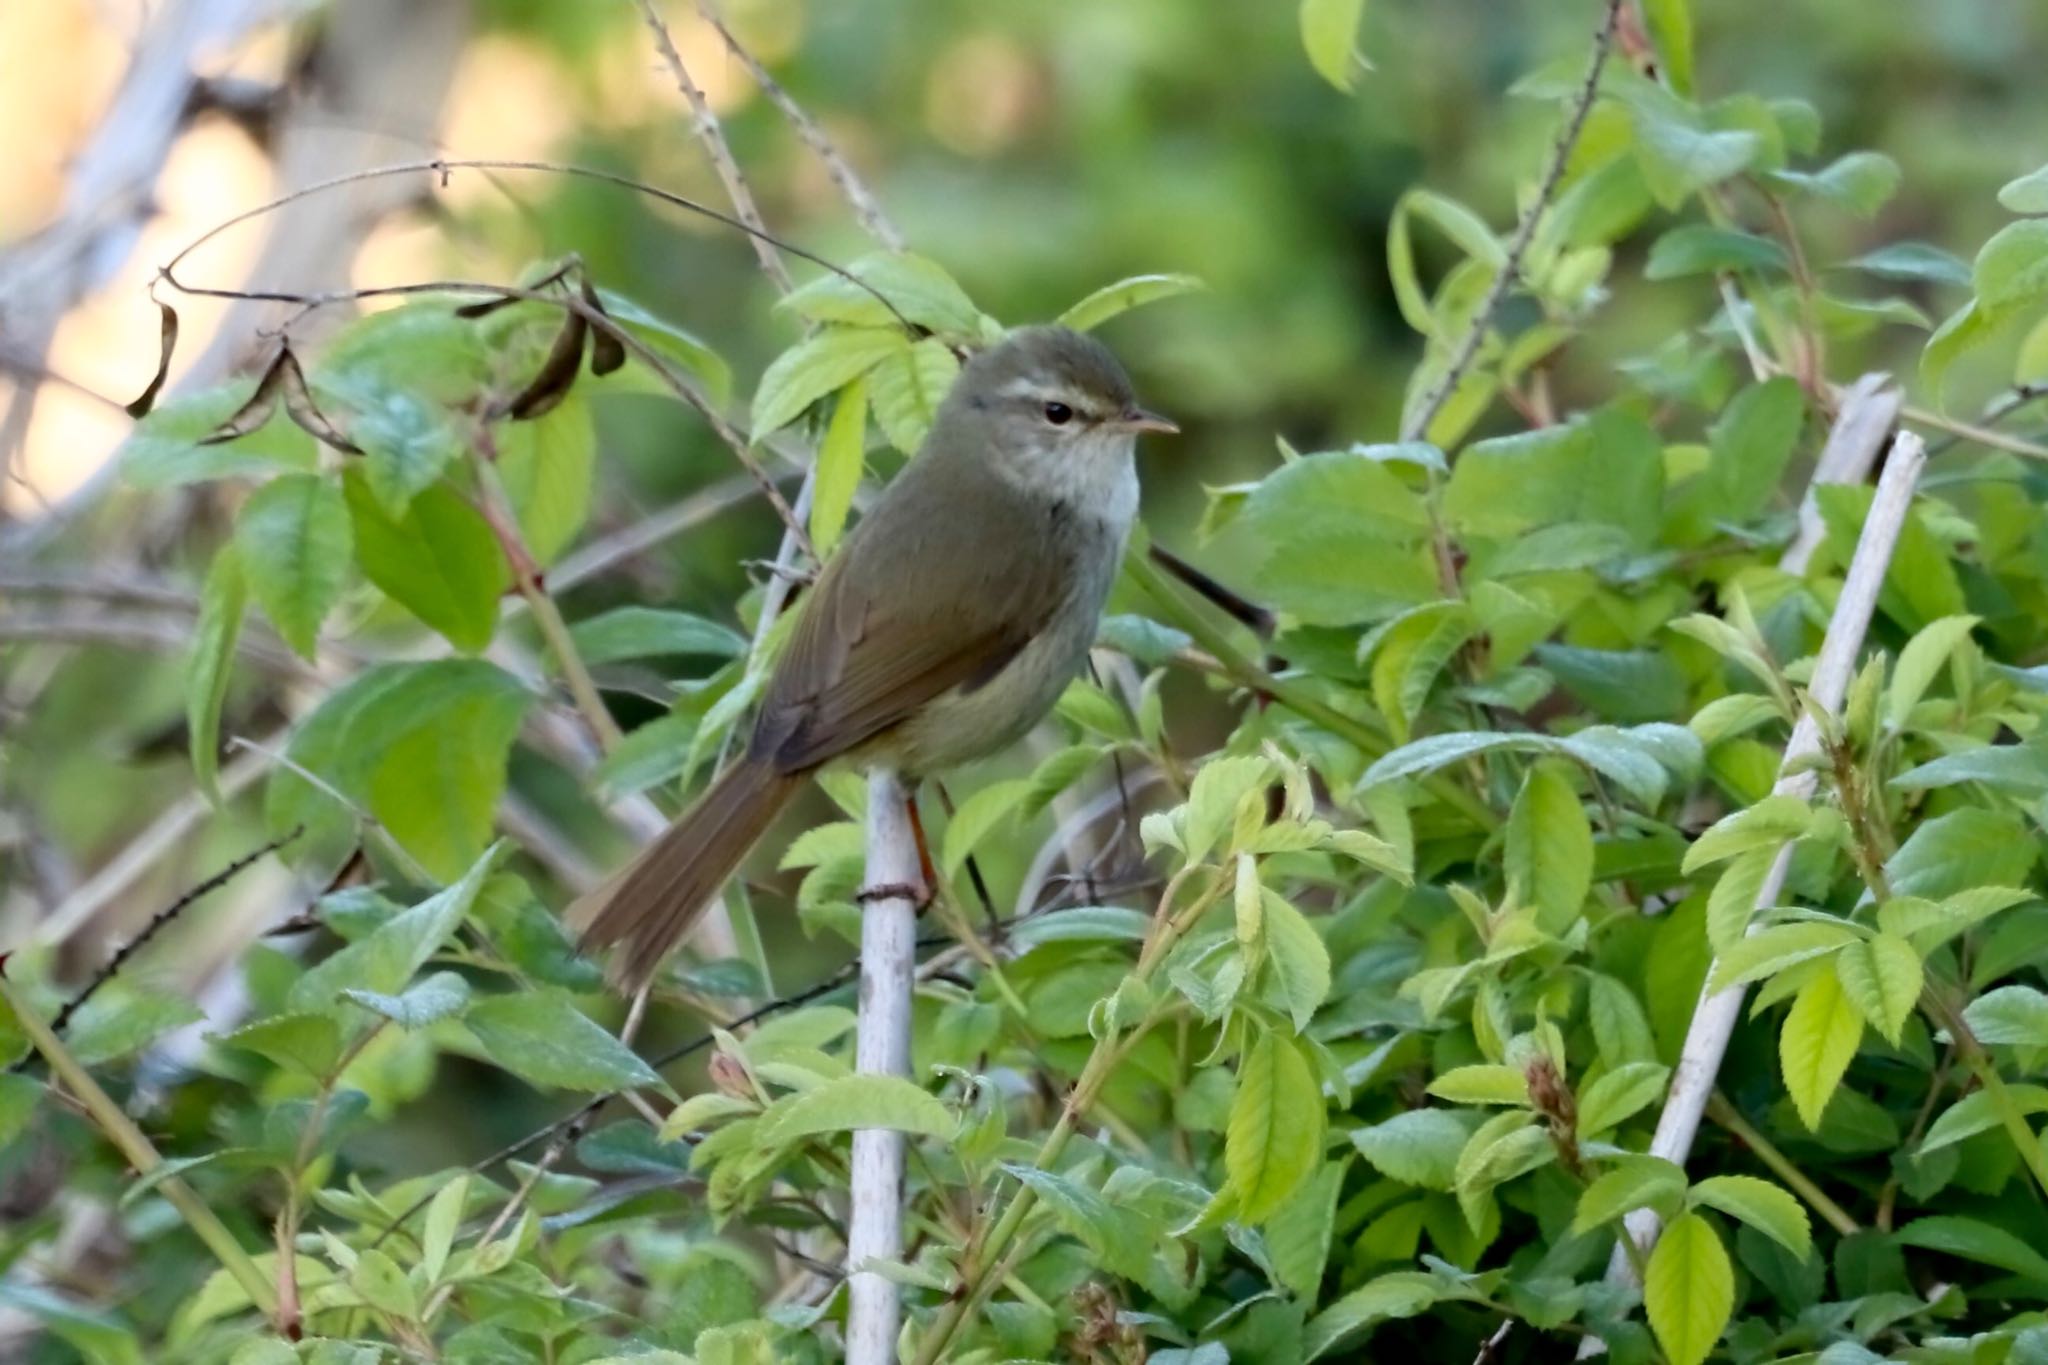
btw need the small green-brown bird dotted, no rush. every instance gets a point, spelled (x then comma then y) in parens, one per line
(948, 624)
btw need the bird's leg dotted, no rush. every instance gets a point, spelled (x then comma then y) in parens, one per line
(926, 890)
(924, 851)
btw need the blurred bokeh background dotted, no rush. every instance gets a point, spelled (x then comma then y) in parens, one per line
(1036, 150)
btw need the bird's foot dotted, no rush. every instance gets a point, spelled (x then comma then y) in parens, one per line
(917, 893)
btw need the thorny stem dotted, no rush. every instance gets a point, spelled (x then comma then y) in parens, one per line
(141, 1153)
(1780, 1165)
(981, 1273)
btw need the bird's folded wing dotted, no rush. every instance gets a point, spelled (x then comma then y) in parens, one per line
(913, 607)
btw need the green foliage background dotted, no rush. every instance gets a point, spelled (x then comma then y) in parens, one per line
(1377, 1045)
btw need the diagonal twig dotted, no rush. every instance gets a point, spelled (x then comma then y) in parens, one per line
(712, 134)
(859, 197)
(1440, 392)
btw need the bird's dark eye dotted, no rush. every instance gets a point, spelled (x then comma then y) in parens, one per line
(1059, 414)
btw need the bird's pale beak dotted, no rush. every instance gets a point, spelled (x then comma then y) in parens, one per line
(1138, 419)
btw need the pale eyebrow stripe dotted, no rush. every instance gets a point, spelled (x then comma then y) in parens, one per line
(1026, 388)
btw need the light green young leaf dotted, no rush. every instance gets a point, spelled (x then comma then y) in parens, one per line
(1112, 299)
(1764, 1206)
(1819, 1037)
(169, 447)
(2012, 268)
(124, 1018)
(1299, 1234)
(1621, 1029)
(1679, 158)
(1295, 954)
(437, 1234)
(1698, 249)
(541, 1037)
(1329, 32)
(905, 390)
(920, 289)
(1275, 1134)
(1921, 661)
(1670, 23)
(1860, 182)
(1484, 1083)
(1619, 1095)
(293, 540)
(1419, 1147)
(1635, 1182)
(1114, 1232)
(816, 366)
(1219, 788)
(2028, 194)
(853, 1102)
(1733, 900)
(222, 604)
(1549, 848)
(1689, 1290)
(1882, 977)
(548, 466)
(841, 460)
(1767, 824)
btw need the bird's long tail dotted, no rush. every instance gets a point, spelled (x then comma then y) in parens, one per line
(650, 905)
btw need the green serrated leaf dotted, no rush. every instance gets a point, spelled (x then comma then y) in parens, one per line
(1819, 1037)
(816, 366)
(1635, 1182)
(294, 543)
(1882, 978)
(541, 1037)
(1549, 848)
(1275, 1135)
(1762, 1205)
(1689, 1290)
(841, 461)
(860, 1101)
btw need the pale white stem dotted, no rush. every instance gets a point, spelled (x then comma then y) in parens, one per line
(1868, 411)
(888, 960)
(1706, 1040)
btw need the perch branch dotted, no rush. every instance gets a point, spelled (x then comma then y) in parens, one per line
(1440, 392)
(888, 957)
(1868, 410)
(1715, 1016)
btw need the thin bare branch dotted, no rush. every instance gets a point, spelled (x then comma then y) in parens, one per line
(859, 197)
(1525, 232)
(712, 134)
(157, 923)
